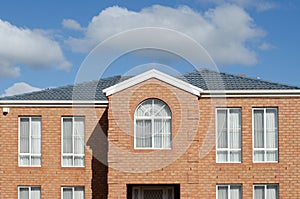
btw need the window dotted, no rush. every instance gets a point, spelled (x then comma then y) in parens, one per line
(268, 191)
(229, 191)
(73, 141)
(30, 141)
(228, 135)
(153, 125)
(265, 135)
(72, 192)
(29, 192)
(153, 192)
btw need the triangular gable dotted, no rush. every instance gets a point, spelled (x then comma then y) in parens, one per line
(153, 74)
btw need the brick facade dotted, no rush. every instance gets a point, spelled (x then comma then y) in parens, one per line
(190, 164)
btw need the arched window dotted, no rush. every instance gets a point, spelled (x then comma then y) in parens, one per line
(153, 124)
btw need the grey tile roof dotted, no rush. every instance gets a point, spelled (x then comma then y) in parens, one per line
(205, 79)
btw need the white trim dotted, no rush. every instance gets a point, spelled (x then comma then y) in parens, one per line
(264, 149)
(250, 93)
(19, 141)
(62, 143)
(153, 74)
(228, 149)
(29, 190)
(52, 103)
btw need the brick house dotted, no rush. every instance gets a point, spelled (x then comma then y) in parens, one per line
(153, 136)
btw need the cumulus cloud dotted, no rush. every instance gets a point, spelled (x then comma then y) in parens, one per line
(29, 47)
(71, 24)
(224, 31)
(19, 88)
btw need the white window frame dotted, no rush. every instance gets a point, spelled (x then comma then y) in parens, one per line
(73, 155)
(152, 118)
(229, 187)
(265, 140)
(29, 189)
(141, 190)
(228, 149)
(30, 154)
(73, 190)
(265, 188)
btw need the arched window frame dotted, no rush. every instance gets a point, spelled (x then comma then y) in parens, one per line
(156, 117)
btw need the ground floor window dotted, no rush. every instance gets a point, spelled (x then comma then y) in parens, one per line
(29, 192)
(163, 191)
(72, 192)
(265, 191)
(229, 191)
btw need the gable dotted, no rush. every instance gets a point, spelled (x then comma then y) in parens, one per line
(157, 75)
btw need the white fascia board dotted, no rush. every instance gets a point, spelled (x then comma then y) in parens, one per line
(157, 75)
(251, 93)
(53, 103)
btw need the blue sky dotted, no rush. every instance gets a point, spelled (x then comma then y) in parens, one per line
(43, 43)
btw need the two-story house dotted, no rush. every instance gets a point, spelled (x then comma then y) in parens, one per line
(153, 136)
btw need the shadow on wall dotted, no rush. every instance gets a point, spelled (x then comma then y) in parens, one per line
(99, 145)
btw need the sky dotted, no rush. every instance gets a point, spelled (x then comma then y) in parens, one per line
(46, 44)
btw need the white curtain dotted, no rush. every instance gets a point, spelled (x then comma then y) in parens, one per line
(35, 193)
(222, 129)
(223, 192)
(235, 192)
(235, 134)
(271, 134)
(143, 133)
(79, 141)
(271, 192)
(24, 193)
(36, 141)
(259, 134)
(24, 135)
(67, 193)
(67, 141)
(78, 193)
(259, 192)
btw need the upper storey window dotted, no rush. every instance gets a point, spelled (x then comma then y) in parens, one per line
(153, 122)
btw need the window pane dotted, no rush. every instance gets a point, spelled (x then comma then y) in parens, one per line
(259, 156)
(235, 192)
(24, 193)
(222, 192)
(24, 160)
(259, 192)
(158, 133)
(272, 156)
(67, 135)
(222, 129)
(36, 135)
(35, 193)
(67, 193)
(35, 160)
(272, 192)
(143, 133)
(24, 135)
(271, 128)
(78, 193)
(79, 142)
(235, 128)
(68, 160)
(258, 129)
(235, 156)
(78, 161)
(222, 156)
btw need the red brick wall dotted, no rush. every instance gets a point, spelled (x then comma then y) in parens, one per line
(196, 169)
(51, 176)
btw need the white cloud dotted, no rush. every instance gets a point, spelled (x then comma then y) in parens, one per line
(19, 88)
(29, 47)
(224, 31)
(71, 24)
(266, 46)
